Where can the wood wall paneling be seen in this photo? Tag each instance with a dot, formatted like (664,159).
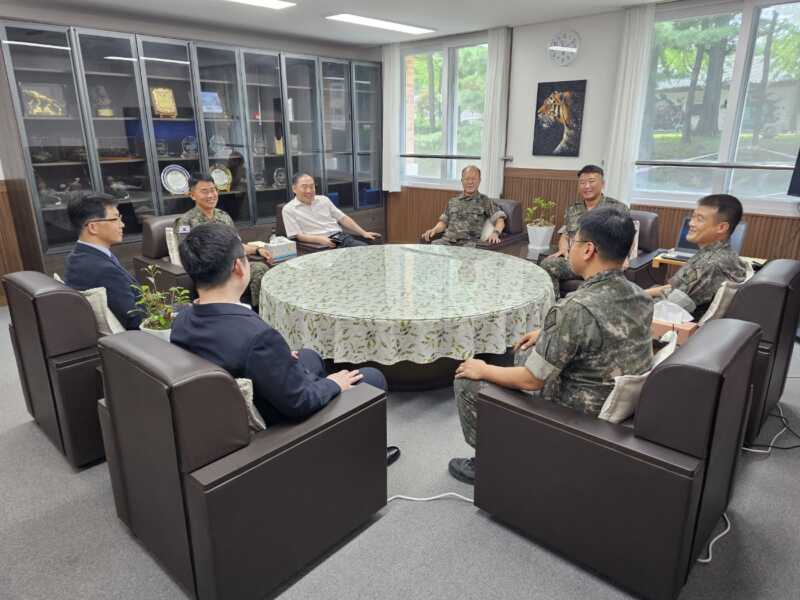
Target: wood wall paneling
(10,258)
(411,211)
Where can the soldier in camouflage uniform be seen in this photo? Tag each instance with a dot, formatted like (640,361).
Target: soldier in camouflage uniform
(203,191)
(462,221)
(590,190)
(600,331)
(694,285)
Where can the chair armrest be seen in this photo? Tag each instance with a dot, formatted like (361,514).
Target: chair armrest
(306,248)
(643,260)
(163,264)
(278,437)
(598,431)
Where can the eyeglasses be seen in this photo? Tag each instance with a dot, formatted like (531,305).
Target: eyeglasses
(572,241)
(110,220)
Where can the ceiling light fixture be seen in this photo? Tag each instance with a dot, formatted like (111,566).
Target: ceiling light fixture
(562,49)
(273,4)
(125,58)
(35,45)
(380,24)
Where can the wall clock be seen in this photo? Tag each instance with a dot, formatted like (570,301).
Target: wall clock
(563,48)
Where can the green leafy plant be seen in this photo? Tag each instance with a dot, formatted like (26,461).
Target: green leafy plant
(158,308)
(540,213)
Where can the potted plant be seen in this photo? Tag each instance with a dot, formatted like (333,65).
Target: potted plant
(539,219)
(158,308)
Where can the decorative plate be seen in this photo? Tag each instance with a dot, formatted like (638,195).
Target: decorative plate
(175,179)
(222,177)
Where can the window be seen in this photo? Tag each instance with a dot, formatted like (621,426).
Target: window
(444,91)
(722,109)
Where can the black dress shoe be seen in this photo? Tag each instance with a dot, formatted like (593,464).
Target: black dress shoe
(463,469)
(392,454)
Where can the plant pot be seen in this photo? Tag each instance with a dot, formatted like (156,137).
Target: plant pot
(161,333)
(539,237)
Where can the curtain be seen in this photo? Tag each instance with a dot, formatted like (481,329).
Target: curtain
(495,112)
(392,113)
(626,122)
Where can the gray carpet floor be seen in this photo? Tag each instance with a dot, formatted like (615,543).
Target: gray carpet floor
(60,538)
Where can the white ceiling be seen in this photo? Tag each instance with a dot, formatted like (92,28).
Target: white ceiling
(307,19)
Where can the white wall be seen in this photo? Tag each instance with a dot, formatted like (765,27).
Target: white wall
(596,62)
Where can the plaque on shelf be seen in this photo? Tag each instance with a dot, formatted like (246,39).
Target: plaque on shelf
(162,148)
(175,179)
(43,99)
(163,100)
(222,177)
(189,147)
(212,104)
(218,146)
(102,101)
(279,177)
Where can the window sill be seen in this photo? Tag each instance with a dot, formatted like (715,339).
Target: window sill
(432,184)
(760,206)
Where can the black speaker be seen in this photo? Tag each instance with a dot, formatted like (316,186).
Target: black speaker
(794,185)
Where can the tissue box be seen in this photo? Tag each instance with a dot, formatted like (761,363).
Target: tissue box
(282,248)
(684,330)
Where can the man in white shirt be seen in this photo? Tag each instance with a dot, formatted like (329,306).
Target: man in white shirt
(315,219)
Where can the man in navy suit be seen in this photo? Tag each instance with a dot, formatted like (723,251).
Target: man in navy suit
(91,263)
(286,385)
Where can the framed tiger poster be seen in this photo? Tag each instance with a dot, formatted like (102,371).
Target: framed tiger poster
(559,118)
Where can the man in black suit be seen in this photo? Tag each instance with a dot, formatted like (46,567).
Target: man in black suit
(286,385)
(91,263)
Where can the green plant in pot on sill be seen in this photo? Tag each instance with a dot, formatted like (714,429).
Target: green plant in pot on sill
(158,309)
(539,219)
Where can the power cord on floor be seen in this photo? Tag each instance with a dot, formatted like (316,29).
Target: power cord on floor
(438,497)
(716,539)
(771,446)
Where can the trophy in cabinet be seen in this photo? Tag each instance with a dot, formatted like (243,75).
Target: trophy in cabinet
(43,100)
(102,101)
(163,100)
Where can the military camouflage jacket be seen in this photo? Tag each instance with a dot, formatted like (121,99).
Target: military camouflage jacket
(465,215)
(194,217)
(578,208)
(598,332)
(694,285)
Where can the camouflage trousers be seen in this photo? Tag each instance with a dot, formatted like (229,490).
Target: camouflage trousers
(559,270)
(443,241)
(466,393)
(257,270)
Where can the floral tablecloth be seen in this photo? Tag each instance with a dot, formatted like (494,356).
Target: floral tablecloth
(418,303)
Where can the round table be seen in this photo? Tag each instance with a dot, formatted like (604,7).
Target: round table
(410,304)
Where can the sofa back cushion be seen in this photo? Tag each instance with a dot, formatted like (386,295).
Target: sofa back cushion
(154,238)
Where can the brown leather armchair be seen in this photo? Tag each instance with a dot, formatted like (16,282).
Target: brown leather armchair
(305,247)
(514,232)
(229,515)
(640,270)
(54,336)
(155,253)
(770,299)
(634,504)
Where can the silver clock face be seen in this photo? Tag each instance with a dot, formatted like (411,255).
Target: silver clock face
(563,48)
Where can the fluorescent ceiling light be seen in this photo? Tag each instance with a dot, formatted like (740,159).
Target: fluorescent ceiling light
(367,22)
(563,49)
(166,60)
(125,58)
(51,46)
(273,4)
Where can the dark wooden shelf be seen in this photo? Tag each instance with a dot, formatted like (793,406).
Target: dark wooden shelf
(43,70)
(177,159)
(60,163)
(113,161)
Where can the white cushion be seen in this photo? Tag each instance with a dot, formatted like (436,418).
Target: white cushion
(254,418)
(624,398)
(488,228)
(721,302)
(107,322)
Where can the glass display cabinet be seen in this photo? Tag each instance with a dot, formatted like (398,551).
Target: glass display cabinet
(169,101)
(337,131)
(223,127)
(302,118)
(262,76)
(114,123)
(45,96)
(368,107)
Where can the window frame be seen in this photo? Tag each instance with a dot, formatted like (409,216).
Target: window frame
(449,47)
(729,136)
